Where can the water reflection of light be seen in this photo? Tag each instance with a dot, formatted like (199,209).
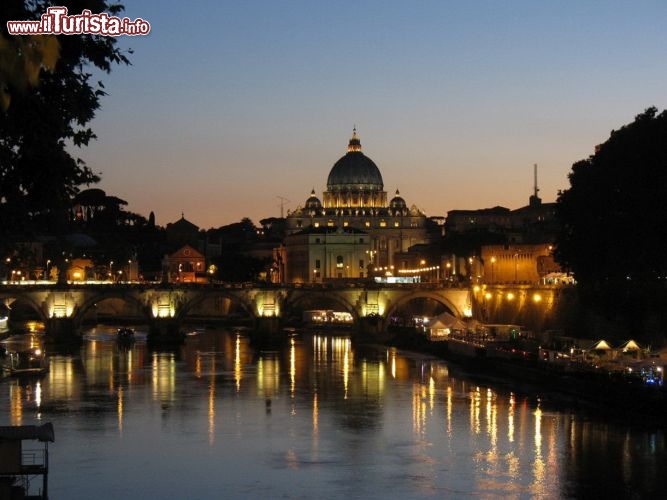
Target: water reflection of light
(16,404)
(268,375)
(346,368)
(211,409)
(341,354)
(491,417)
(475,403)
(38,394)
(292,367)
(61,378)
(198,367)
(539,469)
(419,408)
(510,418)
(164,376)
(538,431)
(316,414)
(238,372)
(119,407)
(450,404)
(431,393)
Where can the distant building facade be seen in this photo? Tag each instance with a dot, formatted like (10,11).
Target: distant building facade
(531,224)
(317,254)
(518,263)
(186,265)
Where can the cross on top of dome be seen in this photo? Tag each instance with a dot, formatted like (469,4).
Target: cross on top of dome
(354,144)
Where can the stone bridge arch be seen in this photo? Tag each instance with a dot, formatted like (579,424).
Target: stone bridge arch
(404,298)
(297,297)
(35,302)
(191,301)
(90,300)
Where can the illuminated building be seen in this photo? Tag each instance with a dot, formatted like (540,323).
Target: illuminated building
(355,199)
(186,265)
(518,263)
(319,253)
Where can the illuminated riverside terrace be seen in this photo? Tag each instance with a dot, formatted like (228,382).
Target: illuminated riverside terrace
(320,418)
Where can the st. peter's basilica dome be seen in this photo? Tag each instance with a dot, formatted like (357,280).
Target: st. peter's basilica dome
(355,180)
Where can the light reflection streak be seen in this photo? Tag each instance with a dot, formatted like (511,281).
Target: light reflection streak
(492,417)
(346,366)
(450,404)
(164,376)
(418,409)
(198,367)
(211,408)
(238,371)
(38,394)
(492,428)
(539,469)
(119,409)
(16,404)
(510,418)
(475,403)
(292,367)
(431,393)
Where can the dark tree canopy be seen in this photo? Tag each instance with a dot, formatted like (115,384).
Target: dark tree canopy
(614,220)
(41,121)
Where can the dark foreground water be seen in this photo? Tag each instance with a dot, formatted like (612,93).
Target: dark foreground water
(318,418)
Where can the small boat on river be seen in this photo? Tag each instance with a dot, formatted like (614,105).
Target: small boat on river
(125,335)
(25,362)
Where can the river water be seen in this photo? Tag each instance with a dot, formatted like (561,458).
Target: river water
(319,417)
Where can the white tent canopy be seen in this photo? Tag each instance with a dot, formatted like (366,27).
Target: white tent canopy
(630,345)
(600,345)
(447,320)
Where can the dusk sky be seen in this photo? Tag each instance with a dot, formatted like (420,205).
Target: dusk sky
(230,106)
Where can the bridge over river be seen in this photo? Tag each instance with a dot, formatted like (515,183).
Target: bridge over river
(65,307)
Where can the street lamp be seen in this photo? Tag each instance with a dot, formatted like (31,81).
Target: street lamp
(111,270)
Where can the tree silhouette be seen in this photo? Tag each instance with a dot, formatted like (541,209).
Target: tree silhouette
(614,225)
(42,118)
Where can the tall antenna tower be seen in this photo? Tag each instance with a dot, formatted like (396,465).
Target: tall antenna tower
(283,201)
(534,200)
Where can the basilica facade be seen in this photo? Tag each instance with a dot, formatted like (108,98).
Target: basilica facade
(355,202)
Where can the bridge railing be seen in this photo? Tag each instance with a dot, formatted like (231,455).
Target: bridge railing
(337,285)
(141,285)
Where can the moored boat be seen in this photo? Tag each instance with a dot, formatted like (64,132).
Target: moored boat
(27,361)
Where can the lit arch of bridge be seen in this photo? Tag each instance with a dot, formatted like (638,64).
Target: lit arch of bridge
(347,301)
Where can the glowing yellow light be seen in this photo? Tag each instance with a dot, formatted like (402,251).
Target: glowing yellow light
(537,298)
(488,295)
(510,296)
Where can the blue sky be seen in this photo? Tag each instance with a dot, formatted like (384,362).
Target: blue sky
(230,105)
